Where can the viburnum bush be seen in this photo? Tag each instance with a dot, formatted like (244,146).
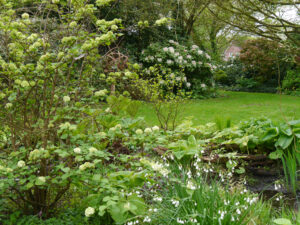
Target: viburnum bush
(48,54)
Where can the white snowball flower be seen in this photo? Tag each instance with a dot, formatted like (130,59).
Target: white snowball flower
(89,211)
(25,16)
(100,93)
(189,56)
(159,60)
(77,150)
(188,84)
(148,130)
(139,131)
(66,98)
(92,149)
(21,164)
(24,83)
(165,49)
(155,128)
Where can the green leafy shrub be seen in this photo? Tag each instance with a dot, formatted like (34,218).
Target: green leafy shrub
(220,76)
(45,94)
(291,82)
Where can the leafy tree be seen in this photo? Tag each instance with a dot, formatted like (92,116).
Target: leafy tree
(265,59)
(264,18)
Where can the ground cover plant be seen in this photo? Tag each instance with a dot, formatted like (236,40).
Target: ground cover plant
(79,139)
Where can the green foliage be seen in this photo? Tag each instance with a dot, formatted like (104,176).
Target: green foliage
(291,82)
(265,59)
(220,76)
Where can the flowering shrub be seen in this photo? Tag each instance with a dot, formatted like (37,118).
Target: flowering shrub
(45,92)
(195,63)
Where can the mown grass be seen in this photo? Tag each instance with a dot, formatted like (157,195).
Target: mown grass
(237,106)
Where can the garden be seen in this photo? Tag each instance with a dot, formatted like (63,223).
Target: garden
(137,112)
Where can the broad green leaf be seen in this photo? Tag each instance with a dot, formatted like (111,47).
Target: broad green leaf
(102,209)
(118,212)
(270,134)
(137,205)
(282,221)
(241,170)
(284,141)
(276,155)
(294,122)
(96,177)
(192,141)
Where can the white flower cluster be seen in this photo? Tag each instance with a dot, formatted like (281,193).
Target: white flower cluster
(86,165)
(101,93)
(67,126)
(21,164)
(77,150)
(89,211)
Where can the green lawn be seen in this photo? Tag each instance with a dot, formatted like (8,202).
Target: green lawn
(237,106)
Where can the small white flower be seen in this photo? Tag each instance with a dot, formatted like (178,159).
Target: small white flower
(147,219)
(180,221)
(66,98)
(21,164)
(107,110)
(77,150)
(190,185)
(158,199)
(203,85)
(188,84)
(165,49)
(89,211)
(189,56)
